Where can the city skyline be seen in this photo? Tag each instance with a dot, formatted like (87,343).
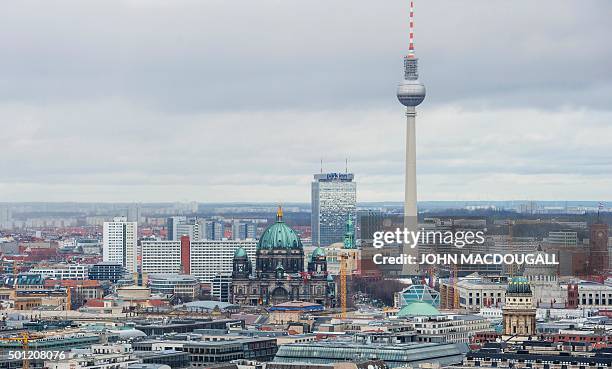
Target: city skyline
(154,116)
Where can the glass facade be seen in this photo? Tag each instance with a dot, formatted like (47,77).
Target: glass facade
(398,355)
(419,293)
(334,197)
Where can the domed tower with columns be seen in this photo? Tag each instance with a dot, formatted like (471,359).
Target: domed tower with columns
(519,314)
(279,274)
(543,278)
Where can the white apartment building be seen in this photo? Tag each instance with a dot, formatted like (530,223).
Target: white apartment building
(206,258)
(449,328)
(162,257)
(120,243)
(63,271)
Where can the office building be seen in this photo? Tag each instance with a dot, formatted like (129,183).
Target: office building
(243,230)
(222,287)
(448,328)
(333,201)
(396,355)
(133,213)
(120,243)
(63,271)
(212,230)
(190,229)
(563,238)
(182,226)
(112,272)
(211,352)
(544,358)
(370,222)
(171,227)
(6,217)
(174,285)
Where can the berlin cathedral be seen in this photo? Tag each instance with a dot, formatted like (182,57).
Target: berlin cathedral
(279,274)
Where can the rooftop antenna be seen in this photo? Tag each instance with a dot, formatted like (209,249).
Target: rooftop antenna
(411,38)
(346,165)
(321,165)
(600,206)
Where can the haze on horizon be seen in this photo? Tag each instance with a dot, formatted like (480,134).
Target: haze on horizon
(155,101)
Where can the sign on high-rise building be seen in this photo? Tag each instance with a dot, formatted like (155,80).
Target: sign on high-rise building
(120,243)
(334,198)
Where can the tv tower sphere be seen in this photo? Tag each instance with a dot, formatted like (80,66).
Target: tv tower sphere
(411,92)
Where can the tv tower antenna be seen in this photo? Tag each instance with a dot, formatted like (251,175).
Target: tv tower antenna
(411,38)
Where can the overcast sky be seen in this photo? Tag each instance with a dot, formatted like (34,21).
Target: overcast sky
(205,100)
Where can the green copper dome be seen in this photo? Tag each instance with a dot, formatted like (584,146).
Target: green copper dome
(418,308)
(519,285)
(240,252)
(316,253)
(279,236)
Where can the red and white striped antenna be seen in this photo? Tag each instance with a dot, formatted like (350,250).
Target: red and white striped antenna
(411,46)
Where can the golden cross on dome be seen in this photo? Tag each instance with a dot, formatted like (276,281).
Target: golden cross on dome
(279,214)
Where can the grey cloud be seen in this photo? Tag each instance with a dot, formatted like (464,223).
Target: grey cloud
(139,100)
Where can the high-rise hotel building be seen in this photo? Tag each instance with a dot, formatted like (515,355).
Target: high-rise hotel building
(120,243)
(334,198)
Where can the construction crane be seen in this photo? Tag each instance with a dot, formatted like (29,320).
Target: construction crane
(24,338)
(454,304)
(343,281)
(455,287)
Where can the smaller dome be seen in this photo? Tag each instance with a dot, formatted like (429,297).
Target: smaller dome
(418,309)
(519,285)
(317,253)
(240,252)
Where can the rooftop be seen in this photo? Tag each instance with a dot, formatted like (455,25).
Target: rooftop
(418,309)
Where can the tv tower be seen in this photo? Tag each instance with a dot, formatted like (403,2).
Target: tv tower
(410,92)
